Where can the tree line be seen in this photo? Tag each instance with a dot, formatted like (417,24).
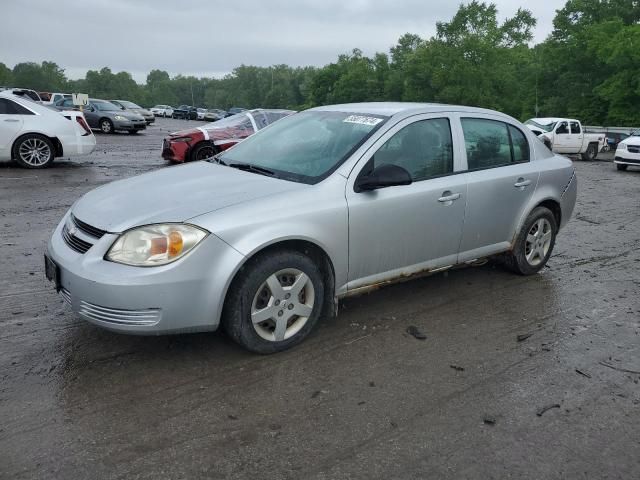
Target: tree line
(587,68)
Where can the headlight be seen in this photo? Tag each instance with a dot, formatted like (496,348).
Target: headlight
(121,118)
(181,139)
(155,244)
(622,146)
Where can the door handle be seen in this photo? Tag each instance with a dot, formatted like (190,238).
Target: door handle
(448,197)
(11,120)
(522,183)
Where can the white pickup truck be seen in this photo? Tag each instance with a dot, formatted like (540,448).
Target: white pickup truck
(566,135)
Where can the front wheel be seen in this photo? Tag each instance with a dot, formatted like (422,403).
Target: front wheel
(534,243)
(619,166)
(275,302)
(34,151)
(106,125)
(591,153)
(203,151)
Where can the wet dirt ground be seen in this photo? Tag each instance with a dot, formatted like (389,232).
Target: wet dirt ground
(360,398)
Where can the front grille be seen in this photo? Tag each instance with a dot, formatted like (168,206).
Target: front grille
(74,242)
(87,229)
(633,149)
(118,316)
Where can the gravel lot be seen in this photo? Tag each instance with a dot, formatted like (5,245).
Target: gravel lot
(360,398)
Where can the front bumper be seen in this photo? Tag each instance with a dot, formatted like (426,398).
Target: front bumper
(129,125)
(184,296)
(175,151)
(626,157)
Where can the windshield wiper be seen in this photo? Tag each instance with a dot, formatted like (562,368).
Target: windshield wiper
(247,167)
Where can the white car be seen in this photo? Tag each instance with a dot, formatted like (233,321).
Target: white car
(201,113)
(162,111)
(33,135)
(628,152)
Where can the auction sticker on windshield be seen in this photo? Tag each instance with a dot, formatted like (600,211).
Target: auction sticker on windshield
(362,120)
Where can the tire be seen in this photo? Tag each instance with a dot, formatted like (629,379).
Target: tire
(133,132)
(591,153)
(530,251)
(203,150)
(281,327)
(33,151)
(106,125)
(621,167)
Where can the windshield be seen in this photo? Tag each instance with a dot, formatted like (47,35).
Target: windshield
(305,147)
(126,104)
(547,128)
(234,121)
(106,106)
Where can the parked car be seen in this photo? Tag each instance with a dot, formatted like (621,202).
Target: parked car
(162,111)
(334,201)
(628,152)
(614,138)
(186,112)
(109,118)
(566,135)
(235,110)
(23,92)
(204,142)
(34,135)
(148,116)
(200,113)
(214,114)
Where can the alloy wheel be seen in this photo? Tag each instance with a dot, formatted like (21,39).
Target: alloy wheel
(282,305)
(538,242)
(34,152)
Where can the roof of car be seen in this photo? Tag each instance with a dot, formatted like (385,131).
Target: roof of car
(550,120)
(393,108)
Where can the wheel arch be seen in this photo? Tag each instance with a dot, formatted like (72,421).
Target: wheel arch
(57,144)
(301,245)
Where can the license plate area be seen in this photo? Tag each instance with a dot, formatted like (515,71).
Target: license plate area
(52,272)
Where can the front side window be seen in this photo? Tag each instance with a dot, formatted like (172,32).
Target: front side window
(106,107)
(424,149)
(490,143)
(562,129)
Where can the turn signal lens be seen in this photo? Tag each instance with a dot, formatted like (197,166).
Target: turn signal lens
(155,244)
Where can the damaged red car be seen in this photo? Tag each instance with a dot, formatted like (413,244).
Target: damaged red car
(204,142)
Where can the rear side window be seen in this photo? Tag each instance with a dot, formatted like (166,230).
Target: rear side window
(490,144)
(575,127)
(8,107)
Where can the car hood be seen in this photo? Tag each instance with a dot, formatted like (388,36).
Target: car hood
(635,141)
(211,132)
(125,113)
(173,194)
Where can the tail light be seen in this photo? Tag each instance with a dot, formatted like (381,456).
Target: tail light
(83,123)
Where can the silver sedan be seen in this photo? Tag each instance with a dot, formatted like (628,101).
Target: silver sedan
(264,238)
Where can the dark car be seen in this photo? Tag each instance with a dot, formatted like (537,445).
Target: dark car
(204,142)
(614,138)
(106,116)
(235,110)
(186,112)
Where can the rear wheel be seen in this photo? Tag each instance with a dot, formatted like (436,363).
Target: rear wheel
(591,153)
(275,302)
(33,151)
(619,166)
(534,243)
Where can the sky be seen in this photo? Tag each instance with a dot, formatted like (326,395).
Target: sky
(211,37)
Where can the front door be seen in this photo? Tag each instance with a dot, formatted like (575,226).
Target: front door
(402,230)
(10,125)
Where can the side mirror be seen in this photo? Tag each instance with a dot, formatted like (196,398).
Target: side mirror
(383,176)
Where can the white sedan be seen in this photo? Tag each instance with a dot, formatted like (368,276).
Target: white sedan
(162,111)
(33,135)
(628,152)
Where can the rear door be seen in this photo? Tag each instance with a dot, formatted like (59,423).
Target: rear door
(500,182)
(11,122)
